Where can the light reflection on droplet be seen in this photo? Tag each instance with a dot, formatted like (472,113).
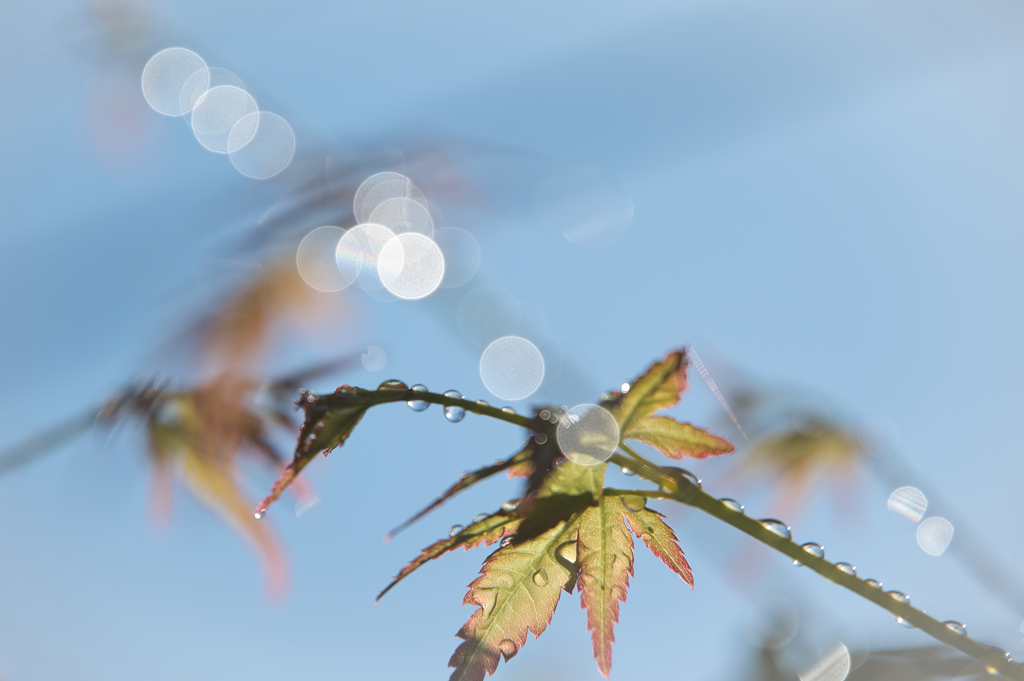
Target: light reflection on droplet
(909,503)
(586,208)
(587,434)
(216,114)
(358,253)
(833,666)
(512,368)
(411,266)
(316,261)
(374,359)
(402,215)
(267,151)
(934,535)
(461,255)
(165,77)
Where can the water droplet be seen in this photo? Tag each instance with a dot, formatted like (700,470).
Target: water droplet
(545,414)
(956,627)
(813,549)
(626,471)
(683,475)
(873,582)
(482,403)
(625,388)
(418,405)
(847,568)
(540,578)
(899,596)
(508,410)
(311,397)
(508,649)
(732,503)
(541,438)
(566,552)
(505,542)
(510,505)
(634,503)
(393,384)
(260,513)
(777,526)
(453,413)
(455,530)
(482,516)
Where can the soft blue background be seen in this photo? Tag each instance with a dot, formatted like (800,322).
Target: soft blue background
(827,195)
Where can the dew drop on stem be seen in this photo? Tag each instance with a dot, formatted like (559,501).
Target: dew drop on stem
(847,568)
(393,384)
(510,505)
(626,471)
(732,504)
(956,627)
(451,412)
(813,549)
(455,529)
(777,526)
(418,405)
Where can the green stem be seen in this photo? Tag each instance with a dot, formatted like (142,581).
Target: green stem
(375,397)
(682,490)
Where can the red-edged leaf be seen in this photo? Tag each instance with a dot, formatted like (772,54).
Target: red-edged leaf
(658,389)
(648,526)
(605,551)
(487,531)
(517,592)
(322,431)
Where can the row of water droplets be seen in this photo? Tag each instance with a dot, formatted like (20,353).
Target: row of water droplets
(817,550)
(223,115)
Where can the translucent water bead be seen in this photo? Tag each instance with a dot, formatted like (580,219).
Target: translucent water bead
(777,526)
(956,627)
(732,504)
(813,549)
(847,568)
(451,412)
(393,384)
(418,405)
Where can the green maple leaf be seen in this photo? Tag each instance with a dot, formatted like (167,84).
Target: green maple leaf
(656,390)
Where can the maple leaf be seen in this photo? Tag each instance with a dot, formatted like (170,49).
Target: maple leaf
(486,531)
(649,527)
(605,555)
(520,583)
(181,443)
(657,389)
(323,429)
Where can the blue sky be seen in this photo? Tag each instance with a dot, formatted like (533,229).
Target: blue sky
(826,197)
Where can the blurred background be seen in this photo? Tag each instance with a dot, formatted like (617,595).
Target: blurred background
(823,200)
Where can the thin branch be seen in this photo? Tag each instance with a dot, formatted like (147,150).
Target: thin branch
(684,491)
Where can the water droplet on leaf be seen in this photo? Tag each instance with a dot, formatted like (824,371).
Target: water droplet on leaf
(566,552)
(634,503)
(540,578)
(626,471)
(510,505)
(455,529)
(508,649)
